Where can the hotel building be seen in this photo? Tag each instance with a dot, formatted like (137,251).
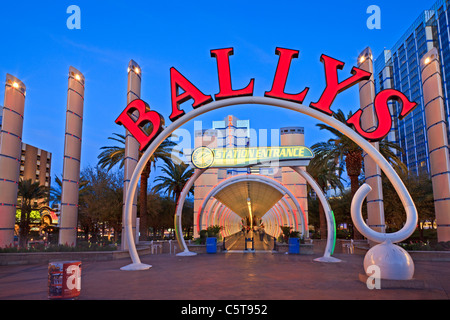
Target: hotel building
(399,68)
(35,164)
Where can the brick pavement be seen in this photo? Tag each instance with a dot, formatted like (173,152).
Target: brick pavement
(226,276)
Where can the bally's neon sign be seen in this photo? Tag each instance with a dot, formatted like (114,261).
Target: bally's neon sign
(332,89)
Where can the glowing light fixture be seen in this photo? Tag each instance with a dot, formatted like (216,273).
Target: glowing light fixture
(15,85)
(77,76)
(136,69)
(362,59)
(249,204)
(427,61)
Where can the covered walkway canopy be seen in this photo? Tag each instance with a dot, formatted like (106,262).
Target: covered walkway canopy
(255,197)
(261,197)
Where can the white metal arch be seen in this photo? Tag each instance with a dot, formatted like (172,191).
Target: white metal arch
(287,218)
(405,197)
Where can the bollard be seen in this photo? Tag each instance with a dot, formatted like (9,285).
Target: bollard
(274,243)
(64,280)
(253,243)
(223,245)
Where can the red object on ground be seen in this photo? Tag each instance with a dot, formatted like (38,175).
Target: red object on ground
(64,279)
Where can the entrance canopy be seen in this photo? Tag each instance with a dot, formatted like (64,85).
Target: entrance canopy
(240,195)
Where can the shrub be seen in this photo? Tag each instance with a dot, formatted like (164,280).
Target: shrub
(213,231)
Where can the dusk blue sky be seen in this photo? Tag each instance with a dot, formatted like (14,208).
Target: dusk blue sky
(38,48)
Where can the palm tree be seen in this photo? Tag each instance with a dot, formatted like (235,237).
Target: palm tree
(177,175)
(56,192)
(115,155)
(327,176)
(348,154)
(29,193)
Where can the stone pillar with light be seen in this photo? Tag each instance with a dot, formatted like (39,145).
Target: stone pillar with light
(438,148)
(10,156)
(375,207)
(72,159)
(131,156)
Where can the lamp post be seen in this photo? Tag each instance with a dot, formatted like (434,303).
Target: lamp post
(438,147)
(131,148)
(10,156)
(72,158)
(375,207)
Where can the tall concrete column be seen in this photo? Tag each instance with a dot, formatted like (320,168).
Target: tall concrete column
(375,206)
(131,148)
(294,136)
(438,147)
(72,158)
(10,154)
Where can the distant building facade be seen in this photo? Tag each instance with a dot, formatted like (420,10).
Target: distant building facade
(35,164)
(398,68)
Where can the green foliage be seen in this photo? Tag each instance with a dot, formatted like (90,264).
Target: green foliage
(286,232)
(426,246)
(29,193)
(294,234)
(175,178)
(213,231)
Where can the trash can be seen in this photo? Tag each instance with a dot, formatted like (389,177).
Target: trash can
(294,246)
(211,245)
(64,279)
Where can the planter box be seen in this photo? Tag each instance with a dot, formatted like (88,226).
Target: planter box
(430,255)
(46,257)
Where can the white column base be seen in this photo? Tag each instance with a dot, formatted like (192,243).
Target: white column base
(136,267)
(394,262)
(328,259)
(186,254)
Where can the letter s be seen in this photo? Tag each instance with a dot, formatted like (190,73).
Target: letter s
(381,110)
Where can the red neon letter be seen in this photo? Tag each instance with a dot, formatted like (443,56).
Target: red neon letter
(381,110)
(223,71)
(136,128)
(333,85)
(177,80)
(281,74)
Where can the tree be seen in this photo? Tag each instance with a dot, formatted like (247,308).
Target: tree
(421,190)
(348,154)
(101,208)
(29,193)
(328,176)
(56,192)
(177,175)
(112,156)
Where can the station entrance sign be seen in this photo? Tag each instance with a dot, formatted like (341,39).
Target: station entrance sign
(204,157)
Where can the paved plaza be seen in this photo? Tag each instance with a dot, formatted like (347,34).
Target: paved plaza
(227,276)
